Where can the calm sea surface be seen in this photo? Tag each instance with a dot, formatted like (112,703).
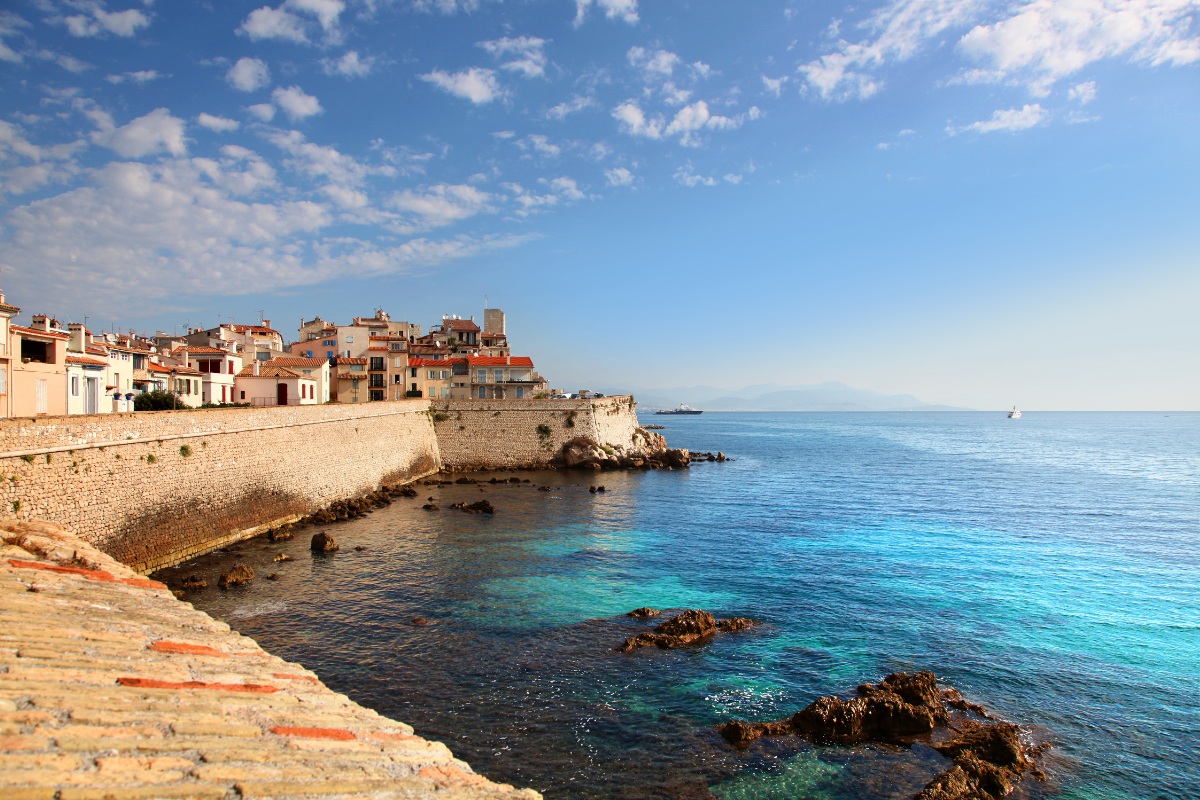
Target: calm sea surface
(1048,567)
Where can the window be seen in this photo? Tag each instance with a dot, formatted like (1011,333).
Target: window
(520,392)
(41,352)
(498,375)
(3,380)
(349,340)
(329,353)
(412,373)
(329,343)
(445,391)
(377,382)
(482,392)
(308,353)
(230,362)
(481,376)
(41,396)
(74,386)
(243,394)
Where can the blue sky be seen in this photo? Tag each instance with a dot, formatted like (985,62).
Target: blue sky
(981,202)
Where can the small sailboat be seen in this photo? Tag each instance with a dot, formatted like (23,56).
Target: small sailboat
(1015,413)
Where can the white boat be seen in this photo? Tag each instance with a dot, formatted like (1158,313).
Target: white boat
(1015,413)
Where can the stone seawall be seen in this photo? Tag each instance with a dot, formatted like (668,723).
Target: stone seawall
(495,434)
(155,488)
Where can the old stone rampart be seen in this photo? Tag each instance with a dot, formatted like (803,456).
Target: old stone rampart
(493,434)
(153,489)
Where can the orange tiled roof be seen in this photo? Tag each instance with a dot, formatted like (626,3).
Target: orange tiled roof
(299,362)
(87,362)
(201,350)
(268,370)
(39,332)
(252,329)
(459,325)
(152,367)
(361,361)
(500,361)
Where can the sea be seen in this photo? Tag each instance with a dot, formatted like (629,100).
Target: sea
(1047,567)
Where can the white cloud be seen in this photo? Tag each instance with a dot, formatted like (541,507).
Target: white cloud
(248,74)
(274,23)
(898,31)
(687,176)
(350,65)
(446,6)
(475,84)
(568,107)
(96,21)
(1044,41)
(25,166)
(539,144)
(141,76)
(156,132)
(295,103)
(439,205)
(525,54)
(263,111)
(619,177)
(67,62)
(10,25)
(774,85)
(1006,120)
(634,121)
(732,178)
(658,64)
(346,197)
(1083,93)
(558,191)
(624,10)
(326,11)
(322,161)
(218,124)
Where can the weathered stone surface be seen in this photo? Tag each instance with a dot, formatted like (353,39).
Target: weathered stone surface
(239,575)
(323,543)
(645,612)
(180,706)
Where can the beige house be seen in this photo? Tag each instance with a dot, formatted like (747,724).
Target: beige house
(86,384)
(316,368)
(7,312)
(218,370)
(39,368)
(267,384)
(428,377)
(352,380)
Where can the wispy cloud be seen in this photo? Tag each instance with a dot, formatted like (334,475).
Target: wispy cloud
(522,54)
(475,84)
(1005,120)
(624,10)
(294,102)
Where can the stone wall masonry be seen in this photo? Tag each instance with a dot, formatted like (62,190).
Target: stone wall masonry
(153,489)
(497,434)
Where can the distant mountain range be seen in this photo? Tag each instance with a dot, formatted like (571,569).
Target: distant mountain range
(774,397)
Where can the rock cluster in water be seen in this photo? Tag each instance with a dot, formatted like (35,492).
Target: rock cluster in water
(649,451)
(479,507)
(988,755)
(690,626)
(240,575)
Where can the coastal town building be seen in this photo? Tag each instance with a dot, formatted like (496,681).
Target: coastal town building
(48,370)
(267,384)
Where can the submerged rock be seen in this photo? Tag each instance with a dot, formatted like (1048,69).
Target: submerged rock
(988,756)
(240,575)
(430,507)
(278,535)
(480,507)
(323,543)
(193,582)
(282,557)
(691,626)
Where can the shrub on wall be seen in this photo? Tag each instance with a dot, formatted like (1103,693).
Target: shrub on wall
(157,400)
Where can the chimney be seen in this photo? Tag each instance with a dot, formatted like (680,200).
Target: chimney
(183,356)
(266,323)
(256,368)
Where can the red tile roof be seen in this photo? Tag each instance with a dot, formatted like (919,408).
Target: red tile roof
(200,350)
(85,361)
(252,329)
(39,332)
(500,361)
(268,370)
(300,362)
(459,325)
(362,361)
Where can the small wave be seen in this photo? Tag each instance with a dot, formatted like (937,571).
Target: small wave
(258,609)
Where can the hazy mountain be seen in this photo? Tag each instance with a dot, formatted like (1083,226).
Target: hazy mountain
(773,397)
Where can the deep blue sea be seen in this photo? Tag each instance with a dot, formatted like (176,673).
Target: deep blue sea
(1047,567)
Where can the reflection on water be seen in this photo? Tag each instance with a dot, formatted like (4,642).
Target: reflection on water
(1062,596)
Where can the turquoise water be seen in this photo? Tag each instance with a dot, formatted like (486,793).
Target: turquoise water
(1048,567)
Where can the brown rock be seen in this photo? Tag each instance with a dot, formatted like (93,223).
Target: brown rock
(323,543)
(645,612)
(479,507)
(735,624)
(277,535)
(282,557)
(240,575)
(274,576)
(193,582)
(430,507)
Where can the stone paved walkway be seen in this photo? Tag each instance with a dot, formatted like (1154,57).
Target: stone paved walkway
(112,688)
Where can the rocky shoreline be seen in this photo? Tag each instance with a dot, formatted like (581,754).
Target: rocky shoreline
(989,756)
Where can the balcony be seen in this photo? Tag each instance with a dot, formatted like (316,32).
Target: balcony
(414,394)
